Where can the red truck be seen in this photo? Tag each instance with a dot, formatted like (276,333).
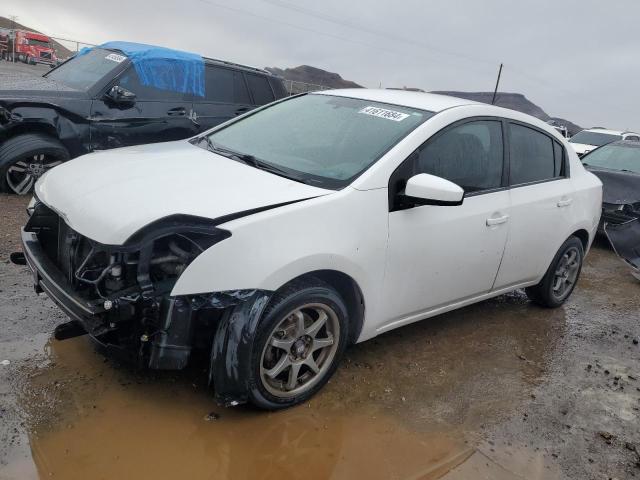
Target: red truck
(28,47)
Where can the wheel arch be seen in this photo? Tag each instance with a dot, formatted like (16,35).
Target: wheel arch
(583,236)
(348,289)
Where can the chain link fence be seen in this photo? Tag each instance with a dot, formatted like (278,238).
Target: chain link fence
(293,87)
(74,46)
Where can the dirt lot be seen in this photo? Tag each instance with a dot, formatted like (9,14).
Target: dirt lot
(499,390)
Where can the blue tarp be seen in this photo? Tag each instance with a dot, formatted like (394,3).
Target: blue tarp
(163,68)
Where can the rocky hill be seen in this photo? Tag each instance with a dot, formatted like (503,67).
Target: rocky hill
(61,51)
(514,101)
(313,75)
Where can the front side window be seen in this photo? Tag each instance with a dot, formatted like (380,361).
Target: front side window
(131,81)
(532,156)
(319,139)
(632,138)
(615,157)
(469,155)
(594,138)
(84,70)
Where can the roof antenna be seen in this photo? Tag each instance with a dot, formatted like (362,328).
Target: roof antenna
(493,100)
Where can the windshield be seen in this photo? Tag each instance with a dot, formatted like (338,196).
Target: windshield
(594,138)
(40,43)
(615,157)
(84,71)
(322,140)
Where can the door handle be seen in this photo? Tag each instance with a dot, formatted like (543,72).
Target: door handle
(177,112)
(497,220)
(564,202)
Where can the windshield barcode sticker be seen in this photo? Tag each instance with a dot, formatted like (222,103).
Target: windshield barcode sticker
(384,113)
(114,57)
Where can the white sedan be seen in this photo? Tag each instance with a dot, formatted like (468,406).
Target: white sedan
(276,239)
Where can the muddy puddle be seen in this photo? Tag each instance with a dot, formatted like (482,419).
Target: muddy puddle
(93,420)
(411,404)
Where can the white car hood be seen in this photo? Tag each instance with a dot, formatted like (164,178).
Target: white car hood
(109,195)
(581,148)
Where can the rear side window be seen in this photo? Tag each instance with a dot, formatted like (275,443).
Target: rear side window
(469,155)
(260,89)
(633,138)
(533,156)
(225,86)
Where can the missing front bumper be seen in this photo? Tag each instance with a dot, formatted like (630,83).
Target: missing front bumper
(625,240)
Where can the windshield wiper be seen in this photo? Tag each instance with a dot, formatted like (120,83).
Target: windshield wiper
(247,158)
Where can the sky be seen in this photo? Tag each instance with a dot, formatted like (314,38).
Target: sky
(577,59)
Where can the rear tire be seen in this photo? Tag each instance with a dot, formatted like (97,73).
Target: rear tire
(23,159)
(560,279)
(301,338)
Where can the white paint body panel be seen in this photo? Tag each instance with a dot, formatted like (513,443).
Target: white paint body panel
(409,264)
(110,195)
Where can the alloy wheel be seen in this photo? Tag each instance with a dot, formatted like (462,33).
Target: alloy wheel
(300,350)
(566,273)
(22,175)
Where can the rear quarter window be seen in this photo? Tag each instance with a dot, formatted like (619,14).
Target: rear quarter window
(278,87)
(260,89)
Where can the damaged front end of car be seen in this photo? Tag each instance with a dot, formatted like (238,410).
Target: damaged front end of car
(121,295)
(625,240)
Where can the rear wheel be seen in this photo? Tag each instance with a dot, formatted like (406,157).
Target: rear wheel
(302,336)
(23,159)
(561,277)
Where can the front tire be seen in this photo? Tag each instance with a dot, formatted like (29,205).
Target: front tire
(302,336)
(23,159)
(558,283)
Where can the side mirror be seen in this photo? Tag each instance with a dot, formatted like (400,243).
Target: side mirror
(121,95)
(425,189)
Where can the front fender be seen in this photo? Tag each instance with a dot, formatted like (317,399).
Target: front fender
(69,126)
(344,232)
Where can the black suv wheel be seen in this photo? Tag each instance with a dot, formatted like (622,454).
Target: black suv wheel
(23,159)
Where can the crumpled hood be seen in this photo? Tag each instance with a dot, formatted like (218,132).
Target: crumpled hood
(109,195)
(620,188)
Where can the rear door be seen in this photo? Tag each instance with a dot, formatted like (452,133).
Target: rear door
(541,204)
(157,115)
(226,96)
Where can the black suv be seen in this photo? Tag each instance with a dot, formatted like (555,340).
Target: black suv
(97,100)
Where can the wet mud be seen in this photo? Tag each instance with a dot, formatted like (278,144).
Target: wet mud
(500,390)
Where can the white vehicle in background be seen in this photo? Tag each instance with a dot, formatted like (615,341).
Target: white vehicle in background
(278,238)
(586,140)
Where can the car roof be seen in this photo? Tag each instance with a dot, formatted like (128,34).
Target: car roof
(606,130)
(626,143)
(164,53)
(425,101)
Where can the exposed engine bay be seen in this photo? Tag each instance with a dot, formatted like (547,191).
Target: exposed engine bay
(127,287)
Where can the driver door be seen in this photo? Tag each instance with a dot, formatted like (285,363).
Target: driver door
(155,115)
(439,256)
